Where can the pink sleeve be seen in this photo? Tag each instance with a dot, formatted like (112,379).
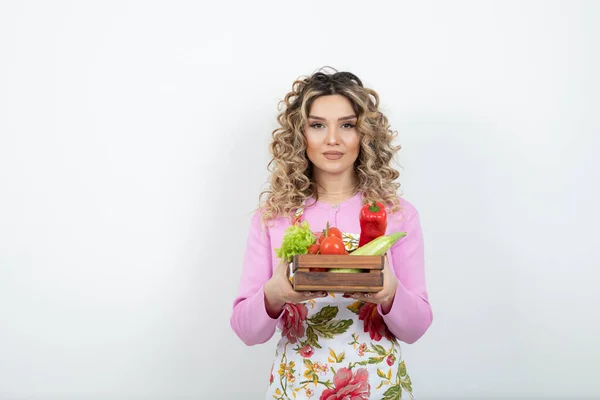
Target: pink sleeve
(410,315)
(249,318)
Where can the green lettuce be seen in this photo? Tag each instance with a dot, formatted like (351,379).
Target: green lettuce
(296,240)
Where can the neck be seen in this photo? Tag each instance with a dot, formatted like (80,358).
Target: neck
(335,189)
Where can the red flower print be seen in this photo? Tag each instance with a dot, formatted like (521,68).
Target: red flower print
(307,351)
(374,323)
(294,316)
(390,360)
(349,386)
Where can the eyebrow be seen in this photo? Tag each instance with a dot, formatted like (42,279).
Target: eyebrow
(339,119)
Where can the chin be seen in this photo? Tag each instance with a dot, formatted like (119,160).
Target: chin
(334,169)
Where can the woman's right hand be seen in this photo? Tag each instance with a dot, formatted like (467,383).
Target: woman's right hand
(278,291)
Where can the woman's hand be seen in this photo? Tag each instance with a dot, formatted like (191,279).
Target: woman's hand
(385,297)
(278,291)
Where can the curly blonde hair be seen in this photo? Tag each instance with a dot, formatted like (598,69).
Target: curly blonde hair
(291,180)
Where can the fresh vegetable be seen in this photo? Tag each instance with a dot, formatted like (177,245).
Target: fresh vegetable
(373,222)
(313,248)
(344,270)
(376,247)
(333,245)
(329,231)
(296,240)
(329,241)
(335,232)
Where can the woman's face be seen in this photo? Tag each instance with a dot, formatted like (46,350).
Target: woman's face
(333,142)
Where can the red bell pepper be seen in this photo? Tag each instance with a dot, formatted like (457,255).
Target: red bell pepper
(373,222)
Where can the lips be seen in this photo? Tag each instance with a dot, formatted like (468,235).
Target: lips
(333,155)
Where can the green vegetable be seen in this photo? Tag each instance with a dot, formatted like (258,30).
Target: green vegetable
(296,240)
(344,270)
(378,246)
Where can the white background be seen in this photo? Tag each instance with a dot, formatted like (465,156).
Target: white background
(133,146)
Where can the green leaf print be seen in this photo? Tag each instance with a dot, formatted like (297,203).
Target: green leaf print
(375,360)
(406,383)
(393,392)
(379,349)
(326,314)
(402,369)
(311,337)
(355,307)
(322,324)
(332,328)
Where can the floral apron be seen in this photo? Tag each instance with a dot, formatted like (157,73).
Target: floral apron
(337,348)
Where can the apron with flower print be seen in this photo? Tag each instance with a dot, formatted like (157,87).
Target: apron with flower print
(337,348)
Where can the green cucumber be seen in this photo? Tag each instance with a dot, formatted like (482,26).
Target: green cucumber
(376,247)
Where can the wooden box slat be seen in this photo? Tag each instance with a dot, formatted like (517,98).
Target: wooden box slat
(334,261)
(332,282)
(369,281)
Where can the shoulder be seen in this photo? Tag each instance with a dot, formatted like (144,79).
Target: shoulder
(405,214)
(268,225)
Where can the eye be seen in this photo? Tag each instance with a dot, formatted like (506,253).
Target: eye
(315,125)
(350,126)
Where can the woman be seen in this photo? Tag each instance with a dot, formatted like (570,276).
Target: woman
(331,155)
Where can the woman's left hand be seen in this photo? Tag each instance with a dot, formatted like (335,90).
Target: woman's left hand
(385,297)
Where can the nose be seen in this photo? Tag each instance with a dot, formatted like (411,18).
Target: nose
(332,136)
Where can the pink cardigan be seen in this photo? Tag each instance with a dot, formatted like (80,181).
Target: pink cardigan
(410,315)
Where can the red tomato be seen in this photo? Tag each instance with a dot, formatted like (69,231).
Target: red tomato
(313,248)
(321,238)
(332,232)
(333,245)
(335,232)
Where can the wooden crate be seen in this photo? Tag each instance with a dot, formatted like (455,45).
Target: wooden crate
(368,281)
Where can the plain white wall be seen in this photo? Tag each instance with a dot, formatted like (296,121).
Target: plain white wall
(133,146)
